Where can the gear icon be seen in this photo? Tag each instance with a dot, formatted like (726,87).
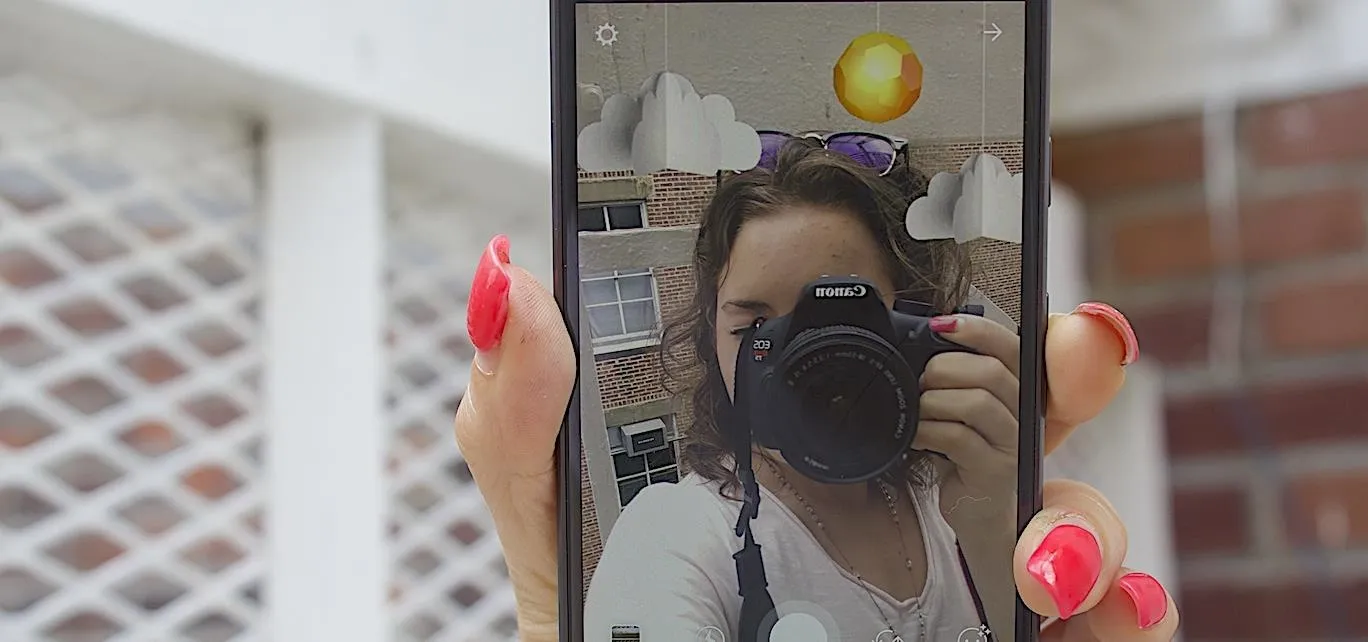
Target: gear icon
(606,34)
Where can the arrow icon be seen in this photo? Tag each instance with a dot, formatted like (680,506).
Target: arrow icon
(995,32)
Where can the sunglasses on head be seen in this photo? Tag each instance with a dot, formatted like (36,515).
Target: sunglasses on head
(875,151)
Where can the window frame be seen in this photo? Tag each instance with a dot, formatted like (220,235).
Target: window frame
(625,342)
(607,222)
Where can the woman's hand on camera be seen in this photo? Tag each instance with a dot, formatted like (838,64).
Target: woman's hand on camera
(1067,561)
(969,415)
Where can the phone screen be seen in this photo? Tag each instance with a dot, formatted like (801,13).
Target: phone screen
(800,253)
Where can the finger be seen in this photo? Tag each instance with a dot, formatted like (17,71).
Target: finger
(1076,630)
(982,335)
(1085,355)
(507,423)
(519,388)
(1135,608)
(949,370)
(962,445)
(976,409)
(1070,552)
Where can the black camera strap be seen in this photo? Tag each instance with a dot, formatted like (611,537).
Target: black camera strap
(757,607)
(973,593)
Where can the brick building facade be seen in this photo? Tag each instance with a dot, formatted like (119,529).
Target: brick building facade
(1270,475)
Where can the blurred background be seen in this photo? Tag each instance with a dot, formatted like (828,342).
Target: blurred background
(236,241)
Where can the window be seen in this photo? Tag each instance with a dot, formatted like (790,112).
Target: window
(623,310)
(644,453)
(612,217)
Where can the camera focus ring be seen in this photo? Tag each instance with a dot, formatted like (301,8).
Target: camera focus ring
(849,399)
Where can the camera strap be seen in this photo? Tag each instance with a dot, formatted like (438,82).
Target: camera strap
(757,606)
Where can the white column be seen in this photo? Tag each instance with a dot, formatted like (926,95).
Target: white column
(324,377)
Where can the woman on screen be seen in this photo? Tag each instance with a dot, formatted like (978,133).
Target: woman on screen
(866,558)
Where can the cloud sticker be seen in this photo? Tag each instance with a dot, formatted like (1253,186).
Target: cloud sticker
(982,200)
(933,216)
(668,125)
(606,145)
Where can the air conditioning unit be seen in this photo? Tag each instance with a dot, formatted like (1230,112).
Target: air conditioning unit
(645,437)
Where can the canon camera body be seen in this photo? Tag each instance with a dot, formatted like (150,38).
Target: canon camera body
(835,385)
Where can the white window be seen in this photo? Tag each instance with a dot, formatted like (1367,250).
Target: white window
(623,306)
(610,217)
(624,311)
(644,453)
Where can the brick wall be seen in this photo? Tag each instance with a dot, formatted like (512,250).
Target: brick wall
(677,199)
(591,546)
(1271,541)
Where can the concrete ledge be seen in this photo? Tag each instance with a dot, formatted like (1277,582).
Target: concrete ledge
(614,190)
(652,247)
(643,411)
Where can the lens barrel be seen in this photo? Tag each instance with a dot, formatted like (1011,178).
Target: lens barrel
(849,401)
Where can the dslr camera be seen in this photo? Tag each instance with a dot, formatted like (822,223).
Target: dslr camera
(835,385)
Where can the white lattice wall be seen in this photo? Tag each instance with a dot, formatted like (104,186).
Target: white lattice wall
(130,496)
(449,581)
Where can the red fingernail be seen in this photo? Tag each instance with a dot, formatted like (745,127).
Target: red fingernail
(943,325)
(1149,597)
(1119,323)
(487,309)
(1067,563)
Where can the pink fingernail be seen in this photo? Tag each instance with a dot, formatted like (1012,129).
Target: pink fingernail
(1148,596)
(487,309)
(943,325)
(1068,563)
(1119,324)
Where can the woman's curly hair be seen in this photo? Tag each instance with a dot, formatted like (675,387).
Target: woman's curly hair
(804,174)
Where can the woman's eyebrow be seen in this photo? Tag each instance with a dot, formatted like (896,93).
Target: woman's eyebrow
(747,305)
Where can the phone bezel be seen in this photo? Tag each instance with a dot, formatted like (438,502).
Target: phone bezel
(565,257)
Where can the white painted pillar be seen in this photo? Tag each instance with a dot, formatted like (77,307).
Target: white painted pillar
(324,377)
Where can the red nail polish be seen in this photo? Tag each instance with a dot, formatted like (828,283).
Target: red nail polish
(487,309)
(1149,597)
(1067,563)
(944,325)
(1120,324)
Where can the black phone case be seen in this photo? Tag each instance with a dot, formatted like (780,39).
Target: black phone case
(565,256)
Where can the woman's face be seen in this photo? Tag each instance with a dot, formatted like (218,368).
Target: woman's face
(774,256)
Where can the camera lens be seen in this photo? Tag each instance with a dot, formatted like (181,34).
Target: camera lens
(849,400)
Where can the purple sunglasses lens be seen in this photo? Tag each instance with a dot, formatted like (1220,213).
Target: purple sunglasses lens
(871,151)
(770,144)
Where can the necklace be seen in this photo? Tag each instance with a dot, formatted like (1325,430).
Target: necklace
(897,527)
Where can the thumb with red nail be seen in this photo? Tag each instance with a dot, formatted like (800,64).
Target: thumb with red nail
(508,420)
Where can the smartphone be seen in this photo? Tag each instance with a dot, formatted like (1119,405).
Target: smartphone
(800,247)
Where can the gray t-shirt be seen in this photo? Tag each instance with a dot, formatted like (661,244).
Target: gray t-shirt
(667,568)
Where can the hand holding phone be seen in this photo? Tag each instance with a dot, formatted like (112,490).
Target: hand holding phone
(508,436)
(809,205)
